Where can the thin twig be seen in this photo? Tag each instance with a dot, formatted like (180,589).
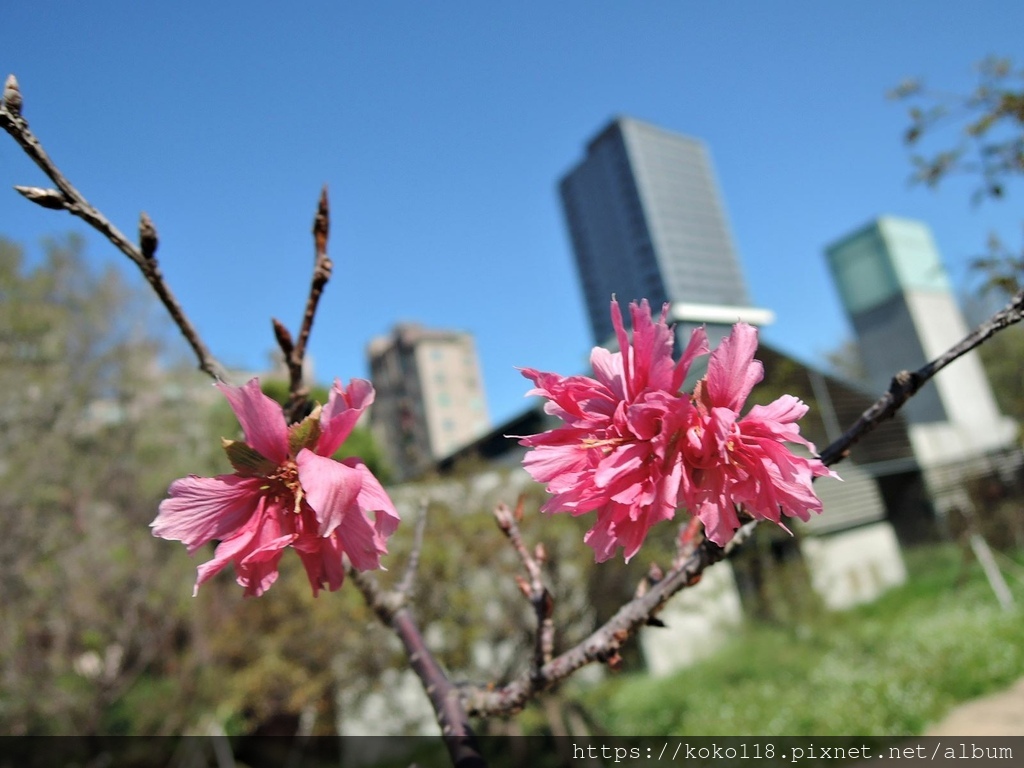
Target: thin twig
(601,646)
(321,270)
(68,198)
(405,586)
(295,353)
(533,588)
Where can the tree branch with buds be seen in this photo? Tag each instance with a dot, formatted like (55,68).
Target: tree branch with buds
(67,197)
(533,588)
(295,352)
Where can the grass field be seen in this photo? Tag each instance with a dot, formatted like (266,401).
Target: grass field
(888,668)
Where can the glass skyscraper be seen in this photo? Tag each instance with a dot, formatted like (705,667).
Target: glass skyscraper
(646,221)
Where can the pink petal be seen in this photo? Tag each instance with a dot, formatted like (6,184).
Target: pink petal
(603,538)
(624,348)
(331,488)
(615,529)
(785,409)
(225,552)
(201,509)
(323,563)
(645,418)
(359,539)
(374,499)
(776,421)
(719,519)
(619,463)
(262,533)
(574,399)
(256,568)
(261,418)
(258,577)
(344,407)
(608,370)
(732,370)
(653,341)
(697,346)
(547,464)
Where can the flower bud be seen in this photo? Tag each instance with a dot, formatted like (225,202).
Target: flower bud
(12,96)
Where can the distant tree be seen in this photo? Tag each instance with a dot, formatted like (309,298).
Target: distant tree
(988,126)
(1002,357)
(93,420)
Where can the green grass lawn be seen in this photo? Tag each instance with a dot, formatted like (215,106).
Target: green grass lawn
(888,668)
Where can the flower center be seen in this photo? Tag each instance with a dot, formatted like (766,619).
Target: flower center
(285,484)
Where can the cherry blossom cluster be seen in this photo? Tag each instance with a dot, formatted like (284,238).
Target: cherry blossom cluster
(635,448)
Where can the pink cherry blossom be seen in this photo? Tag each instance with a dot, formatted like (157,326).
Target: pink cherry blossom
(286,491)
(619,452)
(634,448)
(744,462)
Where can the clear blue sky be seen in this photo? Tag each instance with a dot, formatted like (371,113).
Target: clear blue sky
(442,129)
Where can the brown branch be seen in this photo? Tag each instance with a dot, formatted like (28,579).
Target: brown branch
(321,270)
(533,588)
(602,645)
(905,384)
(68,198)
(295,353)
(390,608)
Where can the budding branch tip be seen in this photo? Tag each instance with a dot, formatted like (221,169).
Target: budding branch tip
(283,336)
(47,198)
(148,239)
(322,221)
(12,99)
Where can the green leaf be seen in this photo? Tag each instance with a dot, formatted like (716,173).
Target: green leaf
(305,433)
(246,460)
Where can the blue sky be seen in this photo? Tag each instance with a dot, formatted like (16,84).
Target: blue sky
(442,128)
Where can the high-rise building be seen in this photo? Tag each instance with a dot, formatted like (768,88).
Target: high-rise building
(646,221)
(430,395)
(897,295)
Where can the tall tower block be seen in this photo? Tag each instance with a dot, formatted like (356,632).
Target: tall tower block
(646,221)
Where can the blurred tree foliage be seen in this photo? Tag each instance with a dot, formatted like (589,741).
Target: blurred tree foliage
(93,426)
(1002,355)
(988,125)
(99,632)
